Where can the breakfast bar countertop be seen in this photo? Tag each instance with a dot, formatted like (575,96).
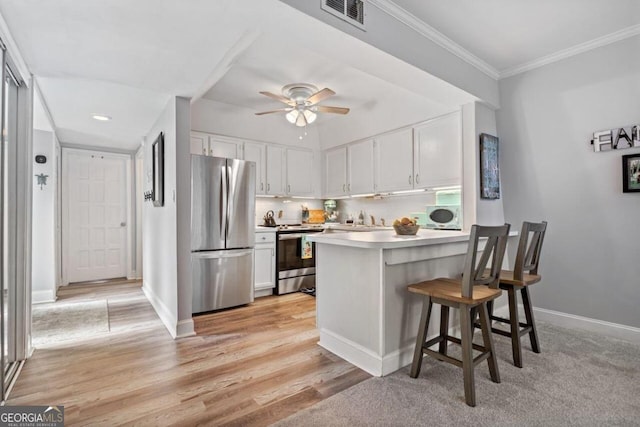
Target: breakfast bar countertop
(387,239)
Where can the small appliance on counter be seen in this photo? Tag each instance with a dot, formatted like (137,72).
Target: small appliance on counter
(269,220)
(330,211)
(444,217)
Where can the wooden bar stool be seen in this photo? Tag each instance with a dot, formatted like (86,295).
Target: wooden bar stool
(524,274)
(466,295)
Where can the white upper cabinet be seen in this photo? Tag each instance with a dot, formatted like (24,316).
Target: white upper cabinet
(256,152)
(223,147)
(275,170)
(214,145)
(335,172)
(360,167)
(394,161)
(438,152)
(199,143)
(299,172)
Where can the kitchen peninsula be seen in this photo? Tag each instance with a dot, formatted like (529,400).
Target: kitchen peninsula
(364,313)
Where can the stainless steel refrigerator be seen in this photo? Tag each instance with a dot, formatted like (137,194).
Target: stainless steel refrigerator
(222,232)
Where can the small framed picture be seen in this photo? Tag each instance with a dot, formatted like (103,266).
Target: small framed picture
(631,173)
(489,169)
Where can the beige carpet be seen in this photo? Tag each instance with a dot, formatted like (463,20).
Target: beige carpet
(59,322)
(579,379)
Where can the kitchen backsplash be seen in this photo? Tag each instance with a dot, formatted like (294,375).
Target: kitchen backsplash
(389,207)
(291,209)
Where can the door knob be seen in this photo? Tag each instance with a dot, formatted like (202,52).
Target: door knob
(122,224)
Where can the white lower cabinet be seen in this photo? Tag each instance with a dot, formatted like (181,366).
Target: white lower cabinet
(265,264)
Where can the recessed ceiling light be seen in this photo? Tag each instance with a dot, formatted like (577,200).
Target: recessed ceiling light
(101,117)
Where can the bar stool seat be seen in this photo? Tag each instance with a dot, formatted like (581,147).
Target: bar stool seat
(470,298)
(507,277)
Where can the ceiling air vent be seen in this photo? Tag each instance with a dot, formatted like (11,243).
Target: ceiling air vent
(351,11)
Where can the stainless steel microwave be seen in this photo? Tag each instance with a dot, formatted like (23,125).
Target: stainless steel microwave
(446,217)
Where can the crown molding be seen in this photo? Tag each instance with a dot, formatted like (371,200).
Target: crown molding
(622,34)
(434,35)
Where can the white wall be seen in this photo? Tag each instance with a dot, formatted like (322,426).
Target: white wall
(549,171)
(43,240)
(166,280)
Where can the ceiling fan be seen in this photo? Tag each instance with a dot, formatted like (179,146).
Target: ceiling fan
(302,100)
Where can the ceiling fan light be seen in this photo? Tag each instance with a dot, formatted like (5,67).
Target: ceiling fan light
(301,120)
(310,116)
(292,116)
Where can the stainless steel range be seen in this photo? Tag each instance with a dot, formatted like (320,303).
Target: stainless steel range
(295,258)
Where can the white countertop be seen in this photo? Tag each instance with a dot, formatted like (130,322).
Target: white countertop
(387,239)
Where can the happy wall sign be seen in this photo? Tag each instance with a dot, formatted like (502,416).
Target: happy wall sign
(616,139)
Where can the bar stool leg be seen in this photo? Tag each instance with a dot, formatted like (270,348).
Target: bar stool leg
(467,355)
(487,337)
(444,328)
(515,327)
(528,312)
(422,337)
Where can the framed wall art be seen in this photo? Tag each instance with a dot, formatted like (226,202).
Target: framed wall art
(157,149)
(631,173)
(489,169)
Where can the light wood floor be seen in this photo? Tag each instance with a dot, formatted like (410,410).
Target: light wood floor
(250,366)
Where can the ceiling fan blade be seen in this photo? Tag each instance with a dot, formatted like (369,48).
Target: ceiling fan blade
(273,111)
(335,110)
(320,95)
(279,98)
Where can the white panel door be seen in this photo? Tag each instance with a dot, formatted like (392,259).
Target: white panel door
(361,159)
(219,147)
(335,168)
(255,152)
(199,143)
(394,161)
(299,172)
(97,214)
(275,170)
(438,152)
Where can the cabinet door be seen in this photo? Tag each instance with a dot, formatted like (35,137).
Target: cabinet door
(335,176)
(360,160)
(224,148)
(394,161)
(255,152)
(275,170)
(299,172)
(199,143)
(438,152)
(265,262)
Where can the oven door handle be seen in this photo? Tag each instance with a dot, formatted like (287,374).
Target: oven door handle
(291,236)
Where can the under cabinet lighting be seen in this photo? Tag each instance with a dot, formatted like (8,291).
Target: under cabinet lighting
(101,117)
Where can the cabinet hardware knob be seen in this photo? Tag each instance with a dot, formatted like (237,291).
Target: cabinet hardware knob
(344,188)
(268,187)
(417,178)
(288,188)
(261,186)
(409,179)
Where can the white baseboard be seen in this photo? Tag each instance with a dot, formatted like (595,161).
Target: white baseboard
(41,297)
(352,352)
(168,319)
(185,328)
(566,320)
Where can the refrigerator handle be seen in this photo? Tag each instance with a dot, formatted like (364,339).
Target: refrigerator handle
(223,203)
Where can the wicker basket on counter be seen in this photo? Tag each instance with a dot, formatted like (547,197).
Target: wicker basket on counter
(406,230)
